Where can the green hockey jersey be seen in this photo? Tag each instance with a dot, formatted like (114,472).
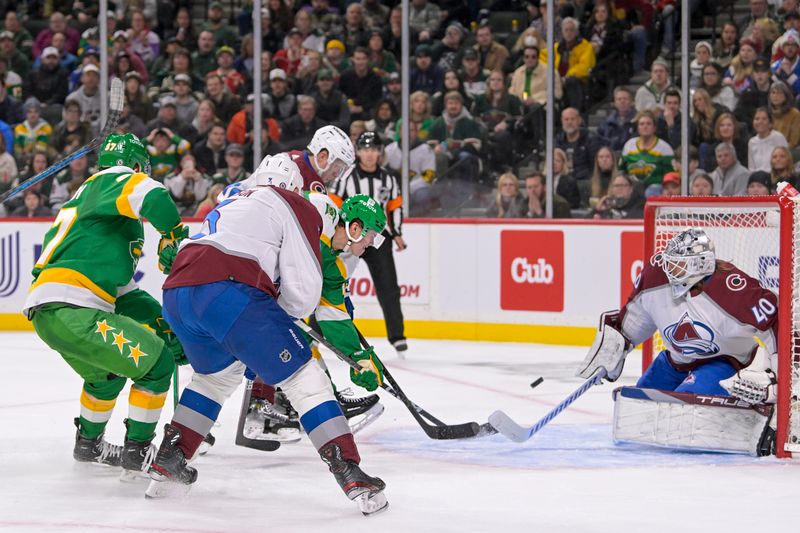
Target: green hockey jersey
(90,253)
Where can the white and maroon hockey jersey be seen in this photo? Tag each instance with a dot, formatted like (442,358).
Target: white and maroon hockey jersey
(720,319)
(267,238)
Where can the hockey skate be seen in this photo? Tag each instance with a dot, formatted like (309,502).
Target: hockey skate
(95,450)
(206,445)
(169,473)
(278,422)
(136,458)
(359,412)
(366,491)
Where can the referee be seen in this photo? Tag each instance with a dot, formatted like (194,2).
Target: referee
(369,178)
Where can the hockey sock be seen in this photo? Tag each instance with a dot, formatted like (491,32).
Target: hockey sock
(97,404)
(263,391)
(147,398)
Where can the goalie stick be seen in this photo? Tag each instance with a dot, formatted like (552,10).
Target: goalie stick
(510,429)
(440,431)
(116,100)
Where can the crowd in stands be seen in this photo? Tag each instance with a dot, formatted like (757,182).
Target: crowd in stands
(477,103)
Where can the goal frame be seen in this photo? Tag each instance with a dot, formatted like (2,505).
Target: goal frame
(786,207)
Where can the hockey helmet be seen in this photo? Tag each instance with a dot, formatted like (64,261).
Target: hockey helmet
(369,139)
(688,258)
(366,210)
(279,171)
(341,156)
(123,149)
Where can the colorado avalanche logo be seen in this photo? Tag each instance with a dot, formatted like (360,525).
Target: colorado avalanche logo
(691,337)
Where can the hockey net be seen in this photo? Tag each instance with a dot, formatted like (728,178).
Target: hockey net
(761,236)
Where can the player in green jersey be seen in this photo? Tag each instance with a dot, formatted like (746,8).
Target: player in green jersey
(85,305)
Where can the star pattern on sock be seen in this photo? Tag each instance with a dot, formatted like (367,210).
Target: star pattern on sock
(136,353)
(103,328)
(120,341)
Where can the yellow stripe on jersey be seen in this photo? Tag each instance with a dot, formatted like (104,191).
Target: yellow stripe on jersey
(123,200)
(325,240)
(68,276)
(145,399)
(341,307)
(342,268)
(94,404)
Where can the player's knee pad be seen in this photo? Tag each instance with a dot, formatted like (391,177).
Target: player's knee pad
(158,377)
(307,388)
(219,385)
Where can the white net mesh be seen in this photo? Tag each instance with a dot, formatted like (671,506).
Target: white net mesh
(747,235)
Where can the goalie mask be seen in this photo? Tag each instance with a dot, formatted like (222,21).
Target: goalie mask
(687,259)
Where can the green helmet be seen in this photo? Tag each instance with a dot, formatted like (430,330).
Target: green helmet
(123,149)
(367,210)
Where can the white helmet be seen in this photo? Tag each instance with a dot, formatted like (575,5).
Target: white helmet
(688,258)
(279,171)
(339,147)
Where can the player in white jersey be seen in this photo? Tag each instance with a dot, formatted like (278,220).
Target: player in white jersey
(708,313)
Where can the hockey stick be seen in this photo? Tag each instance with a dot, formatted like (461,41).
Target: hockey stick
(441,431)
(241,440)
(503,423)
(116,100)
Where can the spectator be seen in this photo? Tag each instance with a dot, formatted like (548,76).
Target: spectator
(704,118)
(135,96)
(456,135)
(164,80)
(17,61)
(703,56)
(375,14)
(122,49)
(668,125)
(381,61)
(384,122)
(233,171)
(145,43)
(88,94)
(165,149)
(184,32)
(266,68)
(203,59)
(508,201)
(206,118)
(421,168)
(540,24)
(129,123)
(671,184)
(624,201)
(725,47)
(66,182)
(730,177)
(226,104)
(451,83)
(33,134)
(89,56)
(168,119)
(210,202)
(280,103)
(605,35)
(224,35)
(234,81)
(355,31)
(787,69)
(529,81)
(48,83)
(209,153)
(8,168)
(646,157)
(188,185)
(472,75)
(740,71)
(392,41)
(33,166)
(579,144)
(33,206)
(331,103)
(536,187)
(290,57)
(185,103)
(357,127)
(58,24)
(563,181)
(651,94)
(498,111)
(394,89)
(245,62)
(755,96)
(574,69)
(10,108)
(271,34)
(306,80)
(22,37)
(785,117)
(726,130)
(759,184)
(71,131)
(447,52)
(491,54)
(361,86)
(313,36)
(424,19)
(702,185)
(335,56)
(240,128)
(712,82)
(782,167)
(298,130)
(761,145)
(425,76)
(605,170)
(758,9)
(280,14)
(618,125)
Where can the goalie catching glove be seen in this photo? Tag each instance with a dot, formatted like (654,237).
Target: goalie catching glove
(752,386)
(371,375)
(609,349)
(168,247)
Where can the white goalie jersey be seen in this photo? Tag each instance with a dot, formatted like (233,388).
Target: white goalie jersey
(722,319)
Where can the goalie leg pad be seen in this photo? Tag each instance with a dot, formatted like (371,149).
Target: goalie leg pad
(689,421)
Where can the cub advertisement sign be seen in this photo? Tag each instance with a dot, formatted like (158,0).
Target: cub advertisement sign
(532,270)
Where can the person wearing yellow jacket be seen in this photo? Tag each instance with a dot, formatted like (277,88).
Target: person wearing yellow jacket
(574,67)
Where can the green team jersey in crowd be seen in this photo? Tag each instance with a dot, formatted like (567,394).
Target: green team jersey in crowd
(648,165)
(90,253)
(331,313)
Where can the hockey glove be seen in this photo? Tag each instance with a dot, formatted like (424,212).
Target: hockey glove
(609,349)
(371,377)
(168,247)
(752,386)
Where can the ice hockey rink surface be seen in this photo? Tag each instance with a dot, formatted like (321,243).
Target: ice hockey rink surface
(568,478)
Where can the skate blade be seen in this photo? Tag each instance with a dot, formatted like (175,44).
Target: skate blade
(359,422)
(284,435)
(133,476)
(93,468)
(165,489)
(203,449)
(372,504)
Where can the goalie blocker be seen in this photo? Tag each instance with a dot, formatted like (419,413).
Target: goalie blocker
(700,422)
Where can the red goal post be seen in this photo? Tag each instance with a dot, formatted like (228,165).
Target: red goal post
(760,235)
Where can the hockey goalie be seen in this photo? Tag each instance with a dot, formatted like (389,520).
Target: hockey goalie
(700,392)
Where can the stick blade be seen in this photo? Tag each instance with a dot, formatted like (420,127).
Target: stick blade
(116,95)
(507,427)
(457,431)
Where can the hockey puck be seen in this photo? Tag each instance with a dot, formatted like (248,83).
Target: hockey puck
(537,382)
